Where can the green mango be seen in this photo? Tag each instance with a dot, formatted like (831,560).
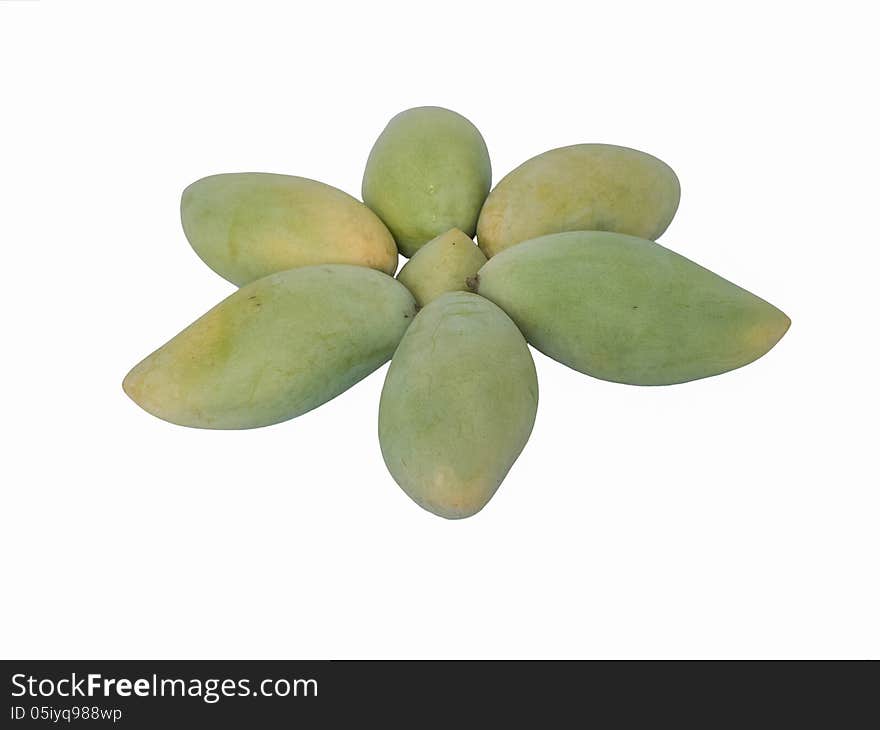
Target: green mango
(428,171)
(275,349)
(443,264)
(585,187)
(458,404)
(626,309)
(251,224)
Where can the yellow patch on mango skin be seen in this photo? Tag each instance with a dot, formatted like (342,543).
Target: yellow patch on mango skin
(171,379)
(763,335)
(249,225)
(584,187)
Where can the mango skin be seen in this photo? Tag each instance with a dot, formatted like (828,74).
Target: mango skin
(428,171)
(251,224)
(275,349)
(458,404)
(585,187)
(628,310)
(442,265)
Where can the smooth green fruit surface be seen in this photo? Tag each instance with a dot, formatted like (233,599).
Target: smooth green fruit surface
(585,187)
(628,310)
(428,171)
(275,349)
(458,404)
(252,224)
(442,265)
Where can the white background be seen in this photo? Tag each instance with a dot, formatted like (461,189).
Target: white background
(731,517)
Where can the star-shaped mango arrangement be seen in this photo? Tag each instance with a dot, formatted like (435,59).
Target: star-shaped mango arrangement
(565,261)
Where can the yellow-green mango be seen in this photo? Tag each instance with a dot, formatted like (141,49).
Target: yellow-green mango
(443,264)
(251,224)
(275,349)
(585,187)
(428,171)
(458,404)
(627,309)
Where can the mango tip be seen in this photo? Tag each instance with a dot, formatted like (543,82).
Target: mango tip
(128,386)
